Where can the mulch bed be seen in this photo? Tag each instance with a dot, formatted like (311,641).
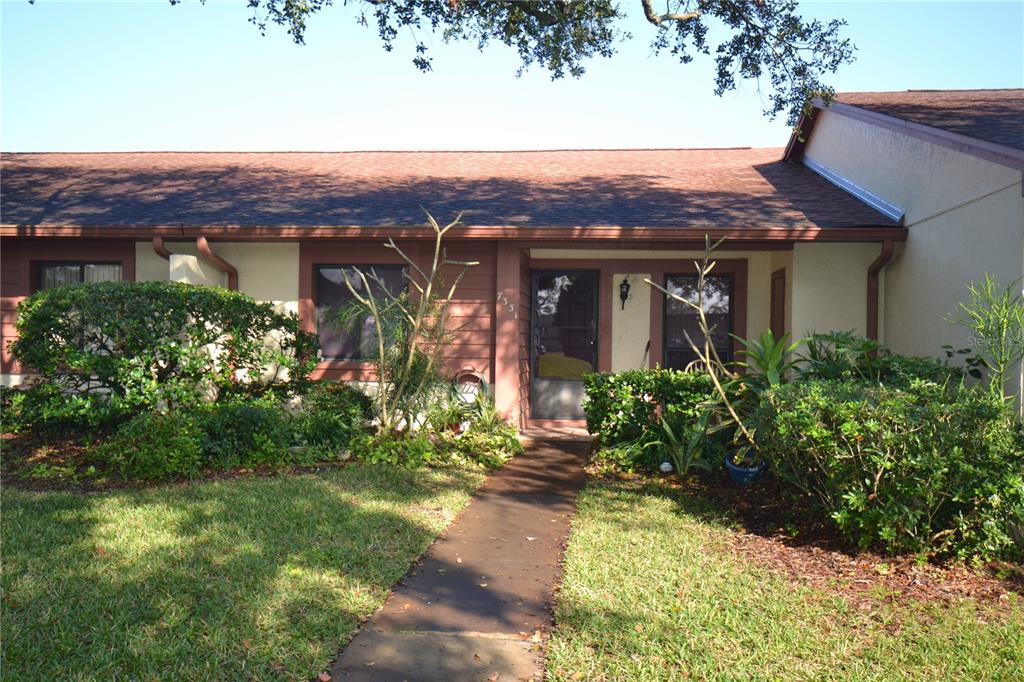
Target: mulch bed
(787,542)
(774,533)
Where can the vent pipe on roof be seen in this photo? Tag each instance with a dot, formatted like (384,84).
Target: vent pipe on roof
(207,254)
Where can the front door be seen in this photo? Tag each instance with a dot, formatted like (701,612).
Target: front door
(563,343)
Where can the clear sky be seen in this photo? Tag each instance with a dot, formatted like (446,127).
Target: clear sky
(112,76)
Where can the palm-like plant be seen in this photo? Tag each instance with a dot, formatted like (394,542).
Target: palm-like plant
(767,359)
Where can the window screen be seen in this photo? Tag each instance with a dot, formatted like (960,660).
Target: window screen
(359,340)
(682,323)
(61,274)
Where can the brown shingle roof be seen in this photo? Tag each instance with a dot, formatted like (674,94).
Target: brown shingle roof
(721,188)
(992,115)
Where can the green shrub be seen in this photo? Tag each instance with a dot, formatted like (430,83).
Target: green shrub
(12,410)
(631,412)
(335,397)
(625,406)
(48,410)
(153,446)
(847,357)
(922,468)
(245,434)
(409,450)
(330,416)
(143,345)
(484,437)
(489,440)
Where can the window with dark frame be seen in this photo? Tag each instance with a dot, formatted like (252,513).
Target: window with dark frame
(57,274)
(331,294)
(681,321)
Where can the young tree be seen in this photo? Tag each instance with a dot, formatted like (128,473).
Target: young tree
(409,327)
(995,318)
(763,40)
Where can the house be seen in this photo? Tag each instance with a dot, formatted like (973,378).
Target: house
(872,219)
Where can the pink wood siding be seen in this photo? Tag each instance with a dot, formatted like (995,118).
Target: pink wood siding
(525,306)
(472,310)
(18,257)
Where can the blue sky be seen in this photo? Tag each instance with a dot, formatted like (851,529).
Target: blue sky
(112,76)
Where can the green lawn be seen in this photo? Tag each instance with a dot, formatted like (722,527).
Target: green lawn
(258,578)
(654,591)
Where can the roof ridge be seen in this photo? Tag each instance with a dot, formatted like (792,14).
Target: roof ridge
(403,151)
(892,92)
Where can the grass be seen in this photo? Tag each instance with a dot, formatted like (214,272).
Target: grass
(654,591)
(257,578)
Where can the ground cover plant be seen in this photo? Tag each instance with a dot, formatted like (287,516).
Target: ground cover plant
(661,582)
(255,578)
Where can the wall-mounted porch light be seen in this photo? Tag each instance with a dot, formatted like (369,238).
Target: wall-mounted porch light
(624,291)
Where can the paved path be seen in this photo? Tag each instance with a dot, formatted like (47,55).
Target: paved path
(472,608)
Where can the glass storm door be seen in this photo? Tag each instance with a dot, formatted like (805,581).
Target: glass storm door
(563,341)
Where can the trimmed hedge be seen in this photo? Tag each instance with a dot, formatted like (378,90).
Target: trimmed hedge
(926,468)
(624,407)
(143,345)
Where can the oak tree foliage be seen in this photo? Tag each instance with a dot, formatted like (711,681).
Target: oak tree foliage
(766,41)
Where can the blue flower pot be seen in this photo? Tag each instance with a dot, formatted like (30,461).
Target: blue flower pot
(741,474)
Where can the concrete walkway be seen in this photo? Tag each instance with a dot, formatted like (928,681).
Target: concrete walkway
(478,606)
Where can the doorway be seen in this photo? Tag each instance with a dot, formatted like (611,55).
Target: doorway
(563,341)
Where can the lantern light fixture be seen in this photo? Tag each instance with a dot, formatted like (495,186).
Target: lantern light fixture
(624,291)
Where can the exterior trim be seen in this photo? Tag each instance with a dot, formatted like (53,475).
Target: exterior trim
(990,151)
(777,307)
(873,270)
(556,423)
(607,233)
(867,196)
(801,135)
(507,360)
(207,254)
(160,248)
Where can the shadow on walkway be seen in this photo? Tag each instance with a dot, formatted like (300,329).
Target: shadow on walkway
(472,608)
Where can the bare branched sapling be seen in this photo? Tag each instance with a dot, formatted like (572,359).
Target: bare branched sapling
(707,355)
(410,327)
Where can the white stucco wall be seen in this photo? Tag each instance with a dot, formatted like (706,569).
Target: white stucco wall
(150,267)
(631,323)
(190,269)
(266,271)
(965,218)
(829,287)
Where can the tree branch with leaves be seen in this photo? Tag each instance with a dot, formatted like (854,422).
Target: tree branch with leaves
(765,41)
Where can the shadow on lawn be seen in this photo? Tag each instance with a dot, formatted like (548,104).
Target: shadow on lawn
(761,509)
(255,579)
